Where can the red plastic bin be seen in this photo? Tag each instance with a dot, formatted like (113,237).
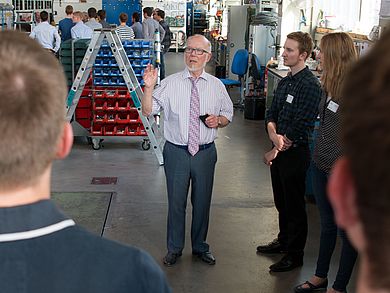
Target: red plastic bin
(109,130)
(99,104)
(121,130)
(83,113)
(123,105)
(97,129)
(99,94)
(132,130)
(122,118)
(110,117)
(100,117)
(111,104)
(84,103)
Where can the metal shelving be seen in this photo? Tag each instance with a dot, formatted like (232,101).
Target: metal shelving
(6,16)
(27,12)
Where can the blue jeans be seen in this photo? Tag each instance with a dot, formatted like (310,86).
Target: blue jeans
(329,234)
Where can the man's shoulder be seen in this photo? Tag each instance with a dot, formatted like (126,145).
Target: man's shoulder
(310,77)
(213,79)
(174,78)
(108,250)
(65,21)
(75,252)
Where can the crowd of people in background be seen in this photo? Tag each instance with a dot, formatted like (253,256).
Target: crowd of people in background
(80,25)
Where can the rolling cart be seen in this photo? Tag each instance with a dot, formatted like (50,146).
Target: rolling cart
(104,99)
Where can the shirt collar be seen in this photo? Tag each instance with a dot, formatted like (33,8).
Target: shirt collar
(29,217)
(299,74)
(187,74)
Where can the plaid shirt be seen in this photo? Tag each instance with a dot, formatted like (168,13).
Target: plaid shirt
(295,106)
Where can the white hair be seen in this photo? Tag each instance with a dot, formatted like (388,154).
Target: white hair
(204,38)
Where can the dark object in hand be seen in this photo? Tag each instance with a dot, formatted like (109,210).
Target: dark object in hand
(203,118)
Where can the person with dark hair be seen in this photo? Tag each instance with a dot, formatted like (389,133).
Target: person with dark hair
(80,30)
(159,15)
(123,30)
(189,153)
(337,56)
(102,18)
(137,26)
(41,249)
(289,122)
(92,22)
(66,24)
(359,184)
(46,34)
(149,25)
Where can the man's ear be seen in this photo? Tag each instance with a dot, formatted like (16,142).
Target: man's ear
(65,142)
(303,56)
(342,194)
(208,57)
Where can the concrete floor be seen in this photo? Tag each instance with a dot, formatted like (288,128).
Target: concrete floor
(242,215)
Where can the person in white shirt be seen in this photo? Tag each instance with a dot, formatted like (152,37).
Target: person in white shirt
(46,34)
(92,22)
(80,30)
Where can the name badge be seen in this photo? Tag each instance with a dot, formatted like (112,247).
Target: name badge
(332,106)
(290,98)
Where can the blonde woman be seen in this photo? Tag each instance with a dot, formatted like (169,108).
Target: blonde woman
(337,55)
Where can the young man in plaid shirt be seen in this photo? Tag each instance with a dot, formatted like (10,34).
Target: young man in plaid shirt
(289,122)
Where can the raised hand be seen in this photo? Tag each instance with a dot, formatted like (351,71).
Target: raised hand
(150,76)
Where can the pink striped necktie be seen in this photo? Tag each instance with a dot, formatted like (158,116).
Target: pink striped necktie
(194,123)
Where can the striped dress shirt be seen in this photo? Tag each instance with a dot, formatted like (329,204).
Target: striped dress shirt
(125,32)
(173,96)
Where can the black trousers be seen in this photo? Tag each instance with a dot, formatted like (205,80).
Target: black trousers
(288,174)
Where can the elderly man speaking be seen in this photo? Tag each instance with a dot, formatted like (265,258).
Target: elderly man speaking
(195,105)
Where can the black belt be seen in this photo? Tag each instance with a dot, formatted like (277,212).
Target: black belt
(185,147)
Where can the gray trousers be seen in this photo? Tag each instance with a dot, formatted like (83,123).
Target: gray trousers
(181,169)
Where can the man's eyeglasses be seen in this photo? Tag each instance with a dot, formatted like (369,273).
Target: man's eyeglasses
(198,51)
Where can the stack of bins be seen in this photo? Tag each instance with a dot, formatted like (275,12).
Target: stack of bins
(67,57)
(84,109)
(113,110)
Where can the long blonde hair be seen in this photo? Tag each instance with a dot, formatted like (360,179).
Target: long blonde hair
(339,53)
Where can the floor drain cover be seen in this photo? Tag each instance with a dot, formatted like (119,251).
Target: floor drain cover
(104,180)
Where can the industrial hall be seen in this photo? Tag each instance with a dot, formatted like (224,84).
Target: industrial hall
(195,146)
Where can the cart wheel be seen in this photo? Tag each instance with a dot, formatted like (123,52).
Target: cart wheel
(97,143)
(146,145)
